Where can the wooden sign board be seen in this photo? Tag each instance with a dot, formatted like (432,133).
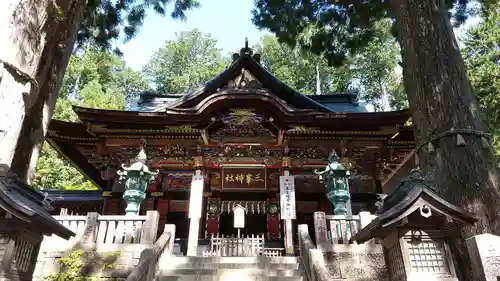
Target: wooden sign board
(244,178)
(239,216)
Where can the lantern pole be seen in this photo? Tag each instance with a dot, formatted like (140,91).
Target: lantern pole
(137,177)
(336,179)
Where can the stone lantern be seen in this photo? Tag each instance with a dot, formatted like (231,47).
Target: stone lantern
(336,179)
(415,225)
(137,177)
(24,220)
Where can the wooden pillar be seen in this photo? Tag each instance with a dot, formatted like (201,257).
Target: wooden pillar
(162,205)
(111,206)
(146,205)
(212,217)
(273,219)
(195,208)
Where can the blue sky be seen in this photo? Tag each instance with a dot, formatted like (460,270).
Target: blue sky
(229,21)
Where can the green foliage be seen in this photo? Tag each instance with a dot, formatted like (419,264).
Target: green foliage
(481,51)
(192,58)
(335,29)
(107,20)
(73,266)
(298,69)
(100,80)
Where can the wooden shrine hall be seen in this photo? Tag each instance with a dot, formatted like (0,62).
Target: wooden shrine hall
(242,131)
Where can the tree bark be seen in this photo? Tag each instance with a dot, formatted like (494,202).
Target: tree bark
(23,28)
(441,99)
(59,43)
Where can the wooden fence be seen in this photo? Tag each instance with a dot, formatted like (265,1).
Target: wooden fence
(249,246)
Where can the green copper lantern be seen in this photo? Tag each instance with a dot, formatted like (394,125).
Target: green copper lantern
(336,179)
(137,178)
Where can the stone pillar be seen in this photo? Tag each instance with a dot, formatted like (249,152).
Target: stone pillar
(150,230)
(195,207)
(289,249)
(320,228)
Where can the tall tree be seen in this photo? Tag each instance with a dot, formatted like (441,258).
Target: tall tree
(300,69)
(95,78)
(188,60)
(481,50)
(38,37)
(440,95)
(375,65)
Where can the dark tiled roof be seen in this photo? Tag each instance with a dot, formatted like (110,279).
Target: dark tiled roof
(27,204)
(73,195)
(151,102)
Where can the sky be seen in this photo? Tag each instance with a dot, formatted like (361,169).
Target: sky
(228,21)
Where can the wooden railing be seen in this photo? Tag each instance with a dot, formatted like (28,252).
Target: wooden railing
(152,258)
(97,229)
(338,229)
(249,246)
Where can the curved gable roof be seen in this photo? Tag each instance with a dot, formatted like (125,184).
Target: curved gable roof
(248,62)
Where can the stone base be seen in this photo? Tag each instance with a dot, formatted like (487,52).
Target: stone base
(356,262)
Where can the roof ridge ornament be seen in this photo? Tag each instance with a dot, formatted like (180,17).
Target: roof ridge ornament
(246,50)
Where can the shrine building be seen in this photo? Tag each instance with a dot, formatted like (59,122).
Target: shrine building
(241,130)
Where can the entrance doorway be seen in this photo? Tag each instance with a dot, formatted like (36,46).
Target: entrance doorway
(254,224)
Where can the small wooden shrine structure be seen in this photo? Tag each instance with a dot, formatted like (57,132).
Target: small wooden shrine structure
(242,130)
(24,220)
(416,225)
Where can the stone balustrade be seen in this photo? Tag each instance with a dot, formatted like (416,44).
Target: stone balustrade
(101,236)
(338,229)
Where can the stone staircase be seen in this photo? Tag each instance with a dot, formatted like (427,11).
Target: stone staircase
(231,269)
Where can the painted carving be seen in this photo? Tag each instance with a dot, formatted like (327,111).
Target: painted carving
(308,153)
(242,123)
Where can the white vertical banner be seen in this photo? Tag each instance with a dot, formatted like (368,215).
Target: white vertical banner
(196,197)
(287,198)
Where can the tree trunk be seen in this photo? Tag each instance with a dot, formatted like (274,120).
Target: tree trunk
(60,39)
(385,105)
(441,99)
(23,29)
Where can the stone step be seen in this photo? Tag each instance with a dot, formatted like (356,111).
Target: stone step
(181,263)
(233,272)
(234,260)
(227,278)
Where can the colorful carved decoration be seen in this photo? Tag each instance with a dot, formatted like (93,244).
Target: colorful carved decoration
(242,123)
(273,219)
(285,162)
(177,181)
(273,179)
(213,217)
(305,153)
(198,161)
(215,181)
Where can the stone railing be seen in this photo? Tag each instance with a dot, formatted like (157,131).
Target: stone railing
(102,236)
(312,258)
(152,258)
(97,229)
(338,229)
